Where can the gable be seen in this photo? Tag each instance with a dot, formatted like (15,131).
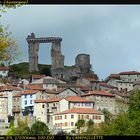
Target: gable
(68,92)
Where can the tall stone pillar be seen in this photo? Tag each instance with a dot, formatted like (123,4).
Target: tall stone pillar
(33,47)
(33,56)
(57,57)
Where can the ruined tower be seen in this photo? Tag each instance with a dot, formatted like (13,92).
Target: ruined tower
(83,62)
(33,48)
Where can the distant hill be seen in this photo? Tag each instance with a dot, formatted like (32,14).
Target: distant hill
(21,70)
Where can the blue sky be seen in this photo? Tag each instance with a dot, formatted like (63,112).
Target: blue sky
(109,33)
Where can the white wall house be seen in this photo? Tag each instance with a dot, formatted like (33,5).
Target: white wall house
(67,119)
(27,99)
(130,76)
(125,85)
(8,91)
(4,71)
(45,108)
(74,102)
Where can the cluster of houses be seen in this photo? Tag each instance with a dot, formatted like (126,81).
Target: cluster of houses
(60,105)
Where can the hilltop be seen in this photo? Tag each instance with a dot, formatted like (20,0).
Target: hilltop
(21,70)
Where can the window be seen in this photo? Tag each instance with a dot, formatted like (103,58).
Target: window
(72,116)
(31,96)
(65,116)
(43,106)
(54,104)
(25,96)
(72,123)
(87,117)
(65,124)
(55,118)
(78,117)
(25,102)
(31,102)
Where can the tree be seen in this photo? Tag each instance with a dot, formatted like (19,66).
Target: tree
(9,50)
(90,127)
(22,128)
(39,128)
(125,123)
(26,111)
(108,116)
(80,124)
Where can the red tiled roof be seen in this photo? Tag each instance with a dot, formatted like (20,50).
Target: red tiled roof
(4,68)
(114,76)
(29,92)
(47,100)
(9,87)
(98,92)
(37,76)
(34,87)
(76,99)
(17,95)
(91,79)
(129,73)
(80,111)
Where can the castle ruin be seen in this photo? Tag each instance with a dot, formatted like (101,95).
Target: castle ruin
(81,68)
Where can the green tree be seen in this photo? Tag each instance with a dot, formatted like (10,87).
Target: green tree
(39,128)
(79,124)
(9,50)
(22,128)
(90,127)
(26,111)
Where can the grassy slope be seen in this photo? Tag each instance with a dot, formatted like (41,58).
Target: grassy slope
(21,69)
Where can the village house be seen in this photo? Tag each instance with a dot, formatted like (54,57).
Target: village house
(67,119)
(17,105)
(3,108)
(4,71)
(9,91)
(102,100)
(27,100)
(44,109)
(125,85)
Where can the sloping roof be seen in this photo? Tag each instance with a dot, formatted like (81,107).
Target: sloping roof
(76,99)
(47,100)
(34,87)
(17,95)
(106,85)
(50,81)
(98,92)
(80,111)
(37,76)
(9,87)
(4,68)
(29,92)
(114,76)
(129,73)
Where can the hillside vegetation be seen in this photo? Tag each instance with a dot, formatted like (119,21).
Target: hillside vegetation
(21,70)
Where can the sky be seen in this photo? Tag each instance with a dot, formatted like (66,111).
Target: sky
(110,34)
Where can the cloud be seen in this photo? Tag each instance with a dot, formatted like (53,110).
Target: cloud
(109,33)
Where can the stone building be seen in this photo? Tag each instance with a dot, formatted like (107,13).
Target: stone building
(102,100)
(82,65)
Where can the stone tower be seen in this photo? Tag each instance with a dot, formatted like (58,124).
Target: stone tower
(33,48)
